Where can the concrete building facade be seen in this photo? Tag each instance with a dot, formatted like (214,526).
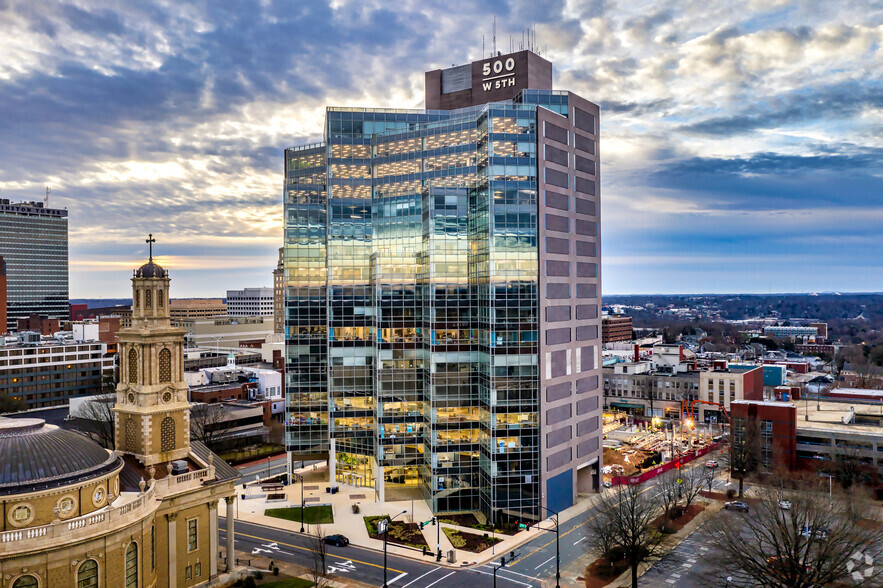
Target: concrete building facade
(616,328)
(250,302)
(77,514)
(51,372)
(34,245)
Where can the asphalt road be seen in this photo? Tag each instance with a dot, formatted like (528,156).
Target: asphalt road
(365,565)
(534,561)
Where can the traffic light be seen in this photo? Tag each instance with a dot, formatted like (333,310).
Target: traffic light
(503,561)
(433,521)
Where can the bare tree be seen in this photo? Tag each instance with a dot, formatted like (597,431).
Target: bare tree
(812,543)
(318,557)
(205,423)
(276,435)
(668,493)
(744,452)
(11,404)
(622,527)
(96,419)
(847,467)
(694,480)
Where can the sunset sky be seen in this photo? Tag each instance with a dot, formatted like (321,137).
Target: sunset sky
(741,143)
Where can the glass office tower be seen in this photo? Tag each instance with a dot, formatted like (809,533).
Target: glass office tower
(34,243)
(420,354)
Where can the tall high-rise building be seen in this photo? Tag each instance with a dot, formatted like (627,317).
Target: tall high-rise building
(442,269)
(33,242)
(279,294)
(3,328)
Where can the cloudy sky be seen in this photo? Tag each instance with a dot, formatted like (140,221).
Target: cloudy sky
(741,142)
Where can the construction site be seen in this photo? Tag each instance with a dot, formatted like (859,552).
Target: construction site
(631,449)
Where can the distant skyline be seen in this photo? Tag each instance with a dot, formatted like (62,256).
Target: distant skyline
(741,143)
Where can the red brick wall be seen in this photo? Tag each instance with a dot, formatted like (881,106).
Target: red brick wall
(752,384)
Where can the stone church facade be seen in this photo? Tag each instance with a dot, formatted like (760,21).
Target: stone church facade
(75,515)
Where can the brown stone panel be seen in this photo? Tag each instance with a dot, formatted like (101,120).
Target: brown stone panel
(568,364)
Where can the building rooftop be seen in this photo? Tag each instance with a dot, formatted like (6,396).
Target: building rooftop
(35,456)
(829,415)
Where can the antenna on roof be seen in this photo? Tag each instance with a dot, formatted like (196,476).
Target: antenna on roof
(495,35)
(46,198)
(482,46)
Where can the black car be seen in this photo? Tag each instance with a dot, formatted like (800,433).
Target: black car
(338,540)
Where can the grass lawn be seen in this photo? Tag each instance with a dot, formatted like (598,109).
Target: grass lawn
(289,583)
(469,541)
(313,515)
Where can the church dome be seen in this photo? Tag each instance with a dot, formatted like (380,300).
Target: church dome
(150,270)
(35,456)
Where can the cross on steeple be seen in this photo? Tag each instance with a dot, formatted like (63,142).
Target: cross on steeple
(150,241)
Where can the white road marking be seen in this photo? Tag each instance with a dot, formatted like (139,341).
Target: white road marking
(583,539)
(501,577)
(439,580)
(545,562)
(417,578)
(399,577)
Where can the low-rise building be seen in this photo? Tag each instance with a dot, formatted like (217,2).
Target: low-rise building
(250,302)
(39,324)
(229,331)
(196,308)
(616,328)
(49,372)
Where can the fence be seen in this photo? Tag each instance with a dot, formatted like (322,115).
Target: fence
(650,474)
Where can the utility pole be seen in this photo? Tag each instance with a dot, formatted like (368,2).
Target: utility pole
(383,527)
(557,546)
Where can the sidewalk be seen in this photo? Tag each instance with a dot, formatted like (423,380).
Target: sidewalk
(577,569)
(352,525)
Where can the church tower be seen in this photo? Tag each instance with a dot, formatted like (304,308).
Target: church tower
(153,413)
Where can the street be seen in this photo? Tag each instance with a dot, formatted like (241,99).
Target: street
(366,565)
(534,560)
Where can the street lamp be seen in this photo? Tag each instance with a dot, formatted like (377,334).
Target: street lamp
(301,478)
(557,550)
(384,523)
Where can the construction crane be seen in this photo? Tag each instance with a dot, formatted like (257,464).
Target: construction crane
(689,410)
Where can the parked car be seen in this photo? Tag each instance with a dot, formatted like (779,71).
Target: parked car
(606,484)
(821,532)
(736,505)
(711,463)
(338,540)
(785,504)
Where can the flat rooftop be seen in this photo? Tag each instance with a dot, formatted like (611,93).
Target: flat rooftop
(828,416)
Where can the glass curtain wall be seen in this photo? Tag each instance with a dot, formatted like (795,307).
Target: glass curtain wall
(306,330)
(428,327)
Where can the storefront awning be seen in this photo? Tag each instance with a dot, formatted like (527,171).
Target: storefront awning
(626,405)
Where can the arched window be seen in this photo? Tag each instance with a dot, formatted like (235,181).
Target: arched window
(132,566)
(165,365)
(159,298)
(87,575)
(147,298)
(167,434)
(130,434)
(26,582)
(133,366)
